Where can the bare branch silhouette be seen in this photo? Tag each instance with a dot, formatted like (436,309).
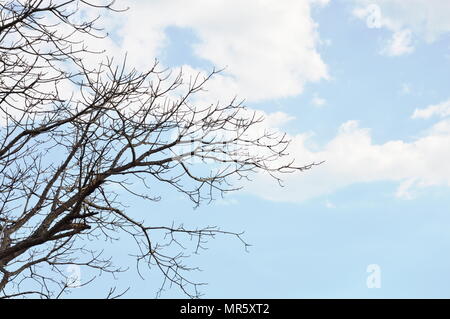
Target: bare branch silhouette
(62,156)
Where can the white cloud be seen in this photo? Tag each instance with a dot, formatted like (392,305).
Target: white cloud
(404,190)
(426,19)
(351,157)
(320,2)
(318,101)
(329,204)
(268,48)
(441,109)
(277,119)
(399,44)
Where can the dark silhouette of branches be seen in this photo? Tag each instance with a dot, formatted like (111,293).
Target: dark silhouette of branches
(71,134)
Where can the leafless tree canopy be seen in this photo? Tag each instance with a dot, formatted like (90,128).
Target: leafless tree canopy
(72,134)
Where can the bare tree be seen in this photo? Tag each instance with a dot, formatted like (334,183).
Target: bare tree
(64,156)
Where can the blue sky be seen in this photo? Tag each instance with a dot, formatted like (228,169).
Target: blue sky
(363,85)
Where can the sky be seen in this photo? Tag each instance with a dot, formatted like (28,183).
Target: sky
(360,84)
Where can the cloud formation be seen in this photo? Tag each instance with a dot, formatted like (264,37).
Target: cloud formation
(425,19)
(352,157)
(269,48)
(399,44)
(271,51)
(441,109)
